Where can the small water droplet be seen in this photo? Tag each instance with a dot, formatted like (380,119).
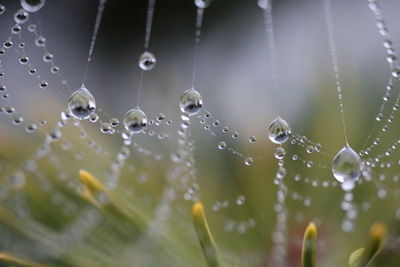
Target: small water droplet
(252,139)
(191,102)
(114,122)
(135,120)
(2,9)
(21,16)
(48,57)
(240,200)
(248,161)
(106,128)
(81,104)
(310,149)
(40,41)
(279,131)
(23,60)
(147,61)
(16,29)
(346,165)
(280,153)
(221,145)
(32,5)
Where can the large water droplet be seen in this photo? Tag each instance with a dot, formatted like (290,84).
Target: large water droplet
(21,16)
(32,5)
(147,61)
(135,120)
(346,165)
(279,131)
(82,104)
(191,102)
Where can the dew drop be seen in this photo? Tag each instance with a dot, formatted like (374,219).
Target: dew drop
(106,128)
(81,104)
(346,165)
(94,117)
(191,102)
(279,131)
(2,9)
(147,61)
(40,41)
(221,145)
(23,60)
(248,161)
(240,200)
(202,3)
(235,135)
(32,5)
(31,127)
(21,16)
(48,57)
(252,139)
(280,153)
(114,122)
(135,120)
(310,149)
(16,29)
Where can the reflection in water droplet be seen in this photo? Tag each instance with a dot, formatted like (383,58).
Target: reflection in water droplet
(135,120)
(248,161)
(346,165)
(21,16)
(279,131)
(191,102)
(82,104)
(147,61)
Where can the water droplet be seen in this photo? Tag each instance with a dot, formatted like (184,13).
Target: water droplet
(16,29)
(191,102)
(2,9)
(221,145)
(114,122)
(160,117)
(348,185)
(346,165)
(135,120)
(32,5)
(48,57)
(54,135)
(17,119)
(94,117)
(252,139)
(40,41)
(202,3)
(280,153)
(240,200)
(279,131)
(295,157)
(21,16)
(248,161)
(147,61)
(31,127)
(32,27)
(23,60)
(106,128)
(81,104)
(310,149)
(235,135)
(8,44)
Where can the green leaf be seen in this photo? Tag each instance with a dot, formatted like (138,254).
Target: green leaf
(309,251)
(363,256)
(204,235)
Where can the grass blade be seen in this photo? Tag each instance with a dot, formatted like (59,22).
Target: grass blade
(309,251)
(204,235)
(377,238)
